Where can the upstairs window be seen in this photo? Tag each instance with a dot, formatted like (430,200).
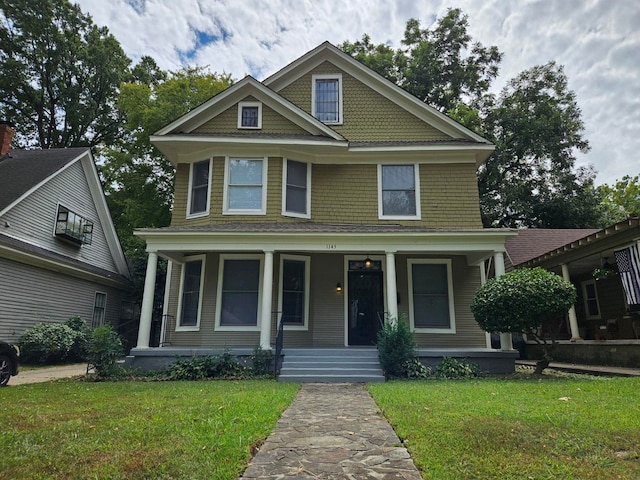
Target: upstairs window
(326,98)
(250,115)
(199,188)
(399,192)
(245,186)
(73,227)
(297,194)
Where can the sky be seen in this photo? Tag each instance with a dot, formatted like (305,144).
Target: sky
(597,42)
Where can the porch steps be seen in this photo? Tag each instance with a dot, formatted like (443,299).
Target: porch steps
(330,365)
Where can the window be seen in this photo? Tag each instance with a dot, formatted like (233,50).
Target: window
(239,292)
(99,309)
(431,296)
(294,293)
(245,186)
(591,304)
(296,193)
(199,190)
(190,300)
(250,115)
(399,192)
(73,227)
(326,98)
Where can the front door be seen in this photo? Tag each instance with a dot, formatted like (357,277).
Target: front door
(366,306)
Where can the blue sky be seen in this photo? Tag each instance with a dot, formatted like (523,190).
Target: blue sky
(597,41)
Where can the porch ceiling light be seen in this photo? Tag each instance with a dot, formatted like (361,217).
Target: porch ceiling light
(367,262)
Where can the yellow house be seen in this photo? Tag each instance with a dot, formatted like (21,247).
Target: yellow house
(314,206)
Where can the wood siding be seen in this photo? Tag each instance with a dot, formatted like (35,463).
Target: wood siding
(31,295)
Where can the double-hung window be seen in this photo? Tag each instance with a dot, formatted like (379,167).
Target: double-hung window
(239,292)
(431,295)
(294,292)
(398,192)
(199,188)
(250,115)
(591,303)
(326,98)
(190,302)
(99,309)
(296,193)
(245,186)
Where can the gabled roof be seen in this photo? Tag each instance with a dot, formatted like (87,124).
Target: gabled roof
(531,243)
(326,52)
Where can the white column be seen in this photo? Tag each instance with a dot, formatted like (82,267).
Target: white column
(267,294)
(483,280)
(146,311)
(573,319)
(506,342)
(392,290)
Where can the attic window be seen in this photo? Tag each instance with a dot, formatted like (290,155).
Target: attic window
(73,227)
(250,115)
(326,98)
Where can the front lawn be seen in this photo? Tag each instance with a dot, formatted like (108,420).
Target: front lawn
(136,430)
(518,429)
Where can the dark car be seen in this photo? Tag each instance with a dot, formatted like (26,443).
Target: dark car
(9,355)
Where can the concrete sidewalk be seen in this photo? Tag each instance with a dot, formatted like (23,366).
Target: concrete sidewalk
(332,431)
(47,374)
(588,369)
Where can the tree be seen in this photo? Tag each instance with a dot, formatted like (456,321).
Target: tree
(621,199)
(59,74)
(527,301)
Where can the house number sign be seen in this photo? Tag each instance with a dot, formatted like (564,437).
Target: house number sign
(331,246)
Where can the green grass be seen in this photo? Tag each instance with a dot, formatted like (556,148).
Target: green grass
(517,429)
(136,430)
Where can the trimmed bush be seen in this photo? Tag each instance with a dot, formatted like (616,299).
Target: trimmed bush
(261,361)
(452,368)
(206,367)
(396,347)
(52,343)
(105,347)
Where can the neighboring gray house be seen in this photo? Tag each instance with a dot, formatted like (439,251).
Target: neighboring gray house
(59,252)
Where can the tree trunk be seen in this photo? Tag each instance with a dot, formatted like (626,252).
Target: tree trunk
(540,366)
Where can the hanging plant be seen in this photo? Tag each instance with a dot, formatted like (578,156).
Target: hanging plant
(600,273)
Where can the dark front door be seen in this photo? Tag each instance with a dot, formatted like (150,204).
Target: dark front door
(366,307)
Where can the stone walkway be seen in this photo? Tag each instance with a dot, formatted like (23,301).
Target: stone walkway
(332,431)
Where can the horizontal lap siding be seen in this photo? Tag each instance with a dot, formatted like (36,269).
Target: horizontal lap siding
(30,295)
(327,305)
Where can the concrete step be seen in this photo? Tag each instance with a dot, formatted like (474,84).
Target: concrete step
(328,352)
(338,363)
(319,378)
(331,365)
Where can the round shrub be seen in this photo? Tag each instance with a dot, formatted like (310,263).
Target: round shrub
(47,343)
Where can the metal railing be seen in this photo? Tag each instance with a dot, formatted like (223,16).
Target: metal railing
(167,326)
(277,361)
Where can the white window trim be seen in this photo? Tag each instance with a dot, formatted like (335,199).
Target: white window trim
(227,173)
(190,189)
(586,303)
(307,284)
(452,315)
(104,318)
(196,327)
(238,328)
(331,76)
(286,213)
(249,104)
(416,176)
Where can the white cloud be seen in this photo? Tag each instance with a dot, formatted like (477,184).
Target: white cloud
(598,42)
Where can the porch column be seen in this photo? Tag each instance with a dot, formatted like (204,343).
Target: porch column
(573,320)
(267,293)
(146,311)
(506,342)
(483,280)
(392,291)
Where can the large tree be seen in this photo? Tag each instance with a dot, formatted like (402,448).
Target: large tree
(59,74)
(621,199)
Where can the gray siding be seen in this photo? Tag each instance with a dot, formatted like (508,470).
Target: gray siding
(33,219)
(30,295)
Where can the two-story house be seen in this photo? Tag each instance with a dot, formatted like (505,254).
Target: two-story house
(326,198)
(59,252)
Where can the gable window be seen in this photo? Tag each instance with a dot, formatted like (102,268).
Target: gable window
(399,192)
(296,193)
(431,296)
(591,303)
(199,188)
(190,300)
(326,98)
(99,309)
(73,227)
(239,292)
(250,115)
(245,186)
(294,293)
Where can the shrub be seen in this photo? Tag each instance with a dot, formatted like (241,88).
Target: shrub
(415,369)
(396,347)
(207,366)
(105,346)
(48,343)
(80,347)
(452,368)
(261,361)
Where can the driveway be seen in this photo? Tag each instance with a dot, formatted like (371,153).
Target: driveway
(47,374)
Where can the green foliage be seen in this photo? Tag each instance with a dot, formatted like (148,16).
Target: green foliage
(621,199)
(261,361)
(59,74)
(452,368)
(396,347)
(105,347)
(414,369)
(80,347)
(53,343)
(207,367)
